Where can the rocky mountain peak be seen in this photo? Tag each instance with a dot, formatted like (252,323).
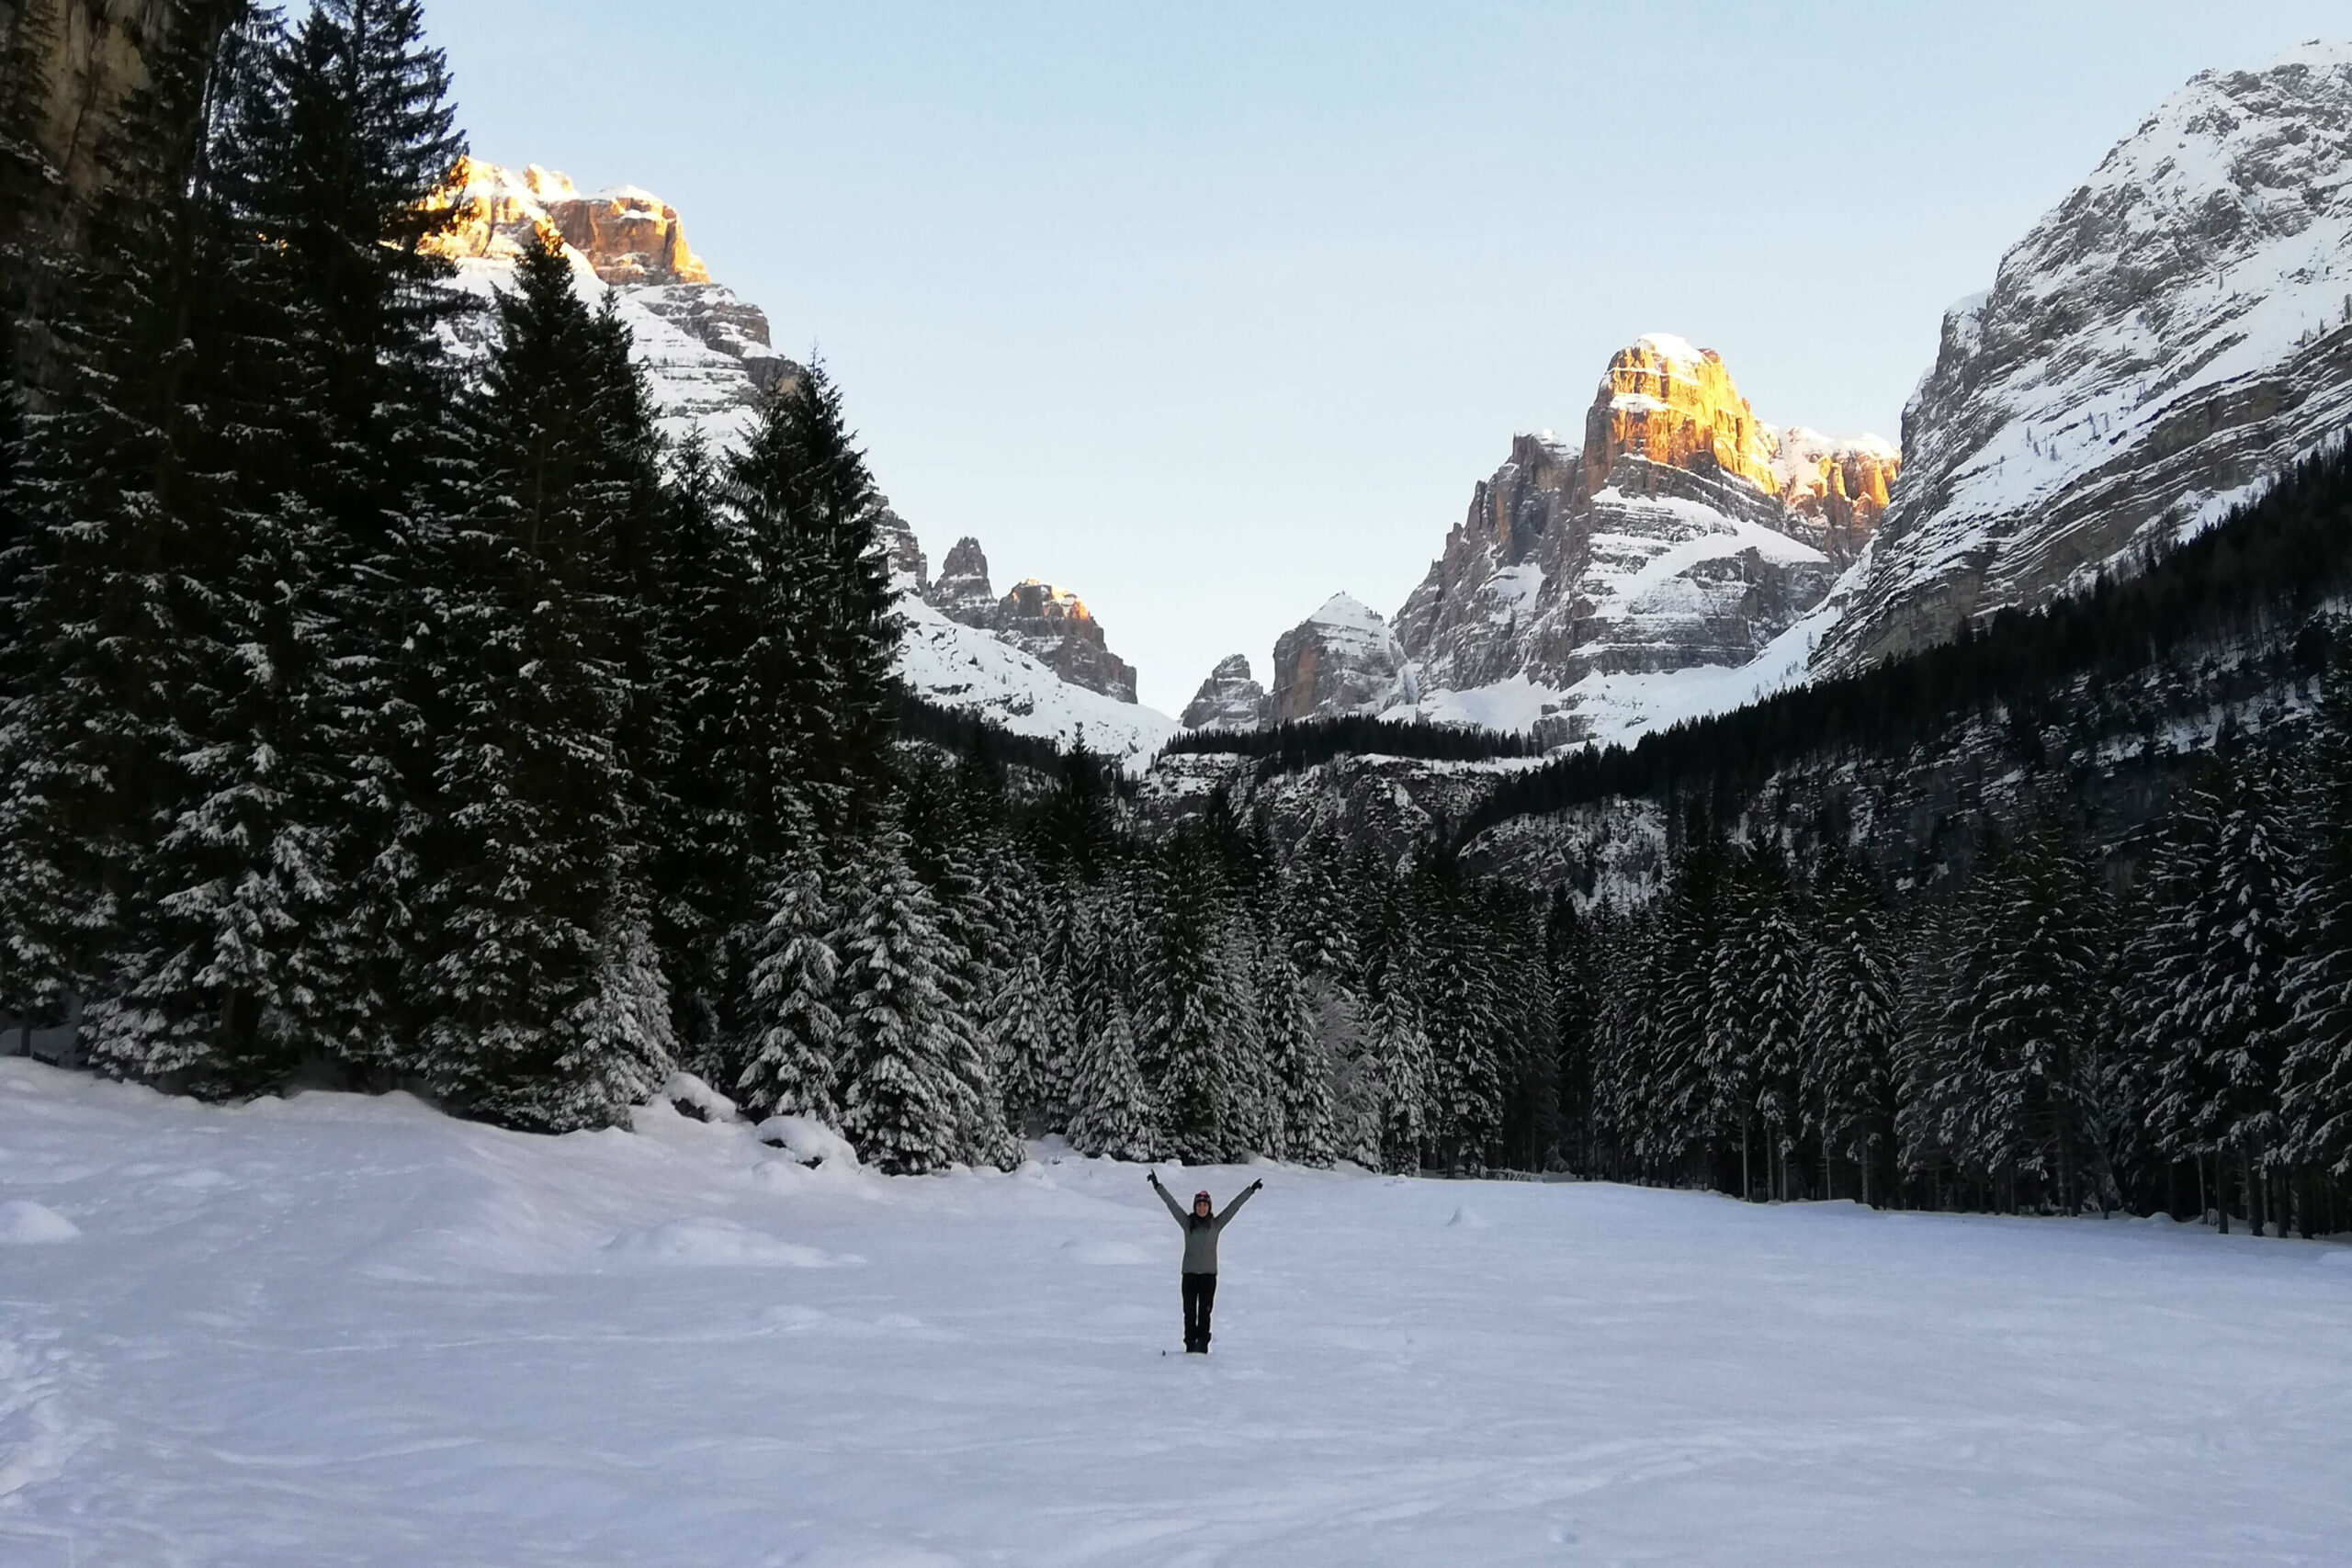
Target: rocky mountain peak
(1054,627)
(1671,403)
(1228,699)
(1686,534)
(707,351)
(962,591)
(1051,625)
(1343,659)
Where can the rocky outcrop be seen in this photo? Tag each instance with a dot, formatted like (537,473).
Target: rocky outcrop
(706,350)
(1341,660)
(75,64)
(626,235)
(962,591)
(1228,699)
(68,71)
(2169,337)
(1837,487)
(1054,627)
(1672,404)
(908,570)
(1051,625)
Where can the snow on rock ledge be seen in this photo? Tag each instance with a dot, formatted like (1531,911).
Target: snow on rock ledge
(2164,341)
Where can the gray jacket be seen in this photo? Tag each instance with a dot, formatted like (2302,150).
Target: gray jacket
(1200,1240)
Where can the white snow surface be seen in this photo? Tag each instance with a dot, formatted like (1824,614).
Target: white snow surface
(346,1330)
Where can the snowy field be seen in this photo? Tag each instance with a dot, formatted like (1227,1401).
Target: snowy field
(343,1331)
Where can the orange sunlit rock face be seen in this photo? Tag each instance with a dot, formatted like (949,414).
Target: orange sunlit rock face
(1670,403)
(1840,485)
(627,235)
(1663,400)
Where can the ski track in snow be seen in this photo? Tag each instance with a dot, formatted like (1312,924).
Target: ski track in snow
(343,1330)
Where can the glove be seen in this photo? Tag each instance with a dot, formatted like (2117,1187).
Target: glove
(1257,1187)
(1152,1177)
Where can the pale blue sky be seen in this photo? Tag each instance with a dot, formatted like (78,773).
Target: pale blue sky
(1208,310)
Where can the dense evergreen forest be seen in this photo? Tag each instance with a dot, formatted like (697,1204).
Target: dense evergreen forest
(376,715)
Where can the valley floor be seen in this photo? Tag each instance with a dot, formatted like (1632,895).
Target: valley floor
(350,1331)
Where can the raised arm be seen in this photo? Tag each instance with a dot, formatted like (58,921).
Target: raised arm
(1235,1207)
(1169,1198)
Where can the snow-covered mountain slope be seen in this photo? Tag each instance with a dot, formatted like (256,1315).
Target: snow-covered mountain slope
(2162,341)
(335,1329)
(957,666)
(1592,592)
(1036,665)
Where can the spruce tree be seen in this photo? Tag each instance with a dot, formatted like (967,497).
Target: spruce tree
(1464,1014)
(903,1103)
(1402,1065)
(530,861)
(1111,1111)
(1294,1057)
(2026,1025)
(2317,1071)
(1756,995)
(705,891)
(145,881)
(1573,953)
(1850,1030)
(333,158)
(795,1052)
(1187,986)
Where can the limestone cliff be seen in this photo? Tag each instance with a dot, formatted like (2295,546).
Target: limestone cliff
(626,235)
(2159,345)
(1670,403)
(73,65)
(70,71)
(1341,660)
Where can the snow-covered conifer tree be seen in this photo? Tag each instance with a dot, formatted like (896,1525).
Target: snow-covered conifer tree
(531,858)
(1111,1111)
(902,1102)
(1850,1031)
(795,1052)
(2316,1072)
(1294,1057)
(1186,984)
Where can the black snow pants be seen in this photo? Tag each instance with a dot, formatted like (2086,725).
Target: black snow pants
(1200,1299)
